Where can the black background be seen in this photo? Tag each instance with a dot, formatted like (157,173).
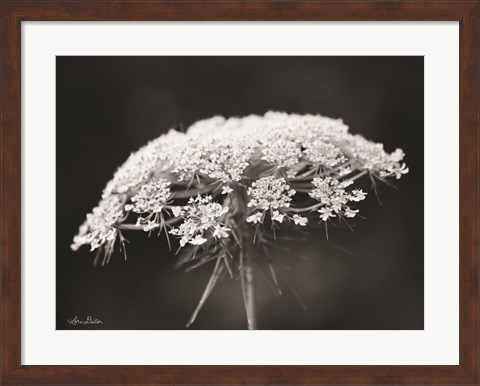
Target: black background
(108,107)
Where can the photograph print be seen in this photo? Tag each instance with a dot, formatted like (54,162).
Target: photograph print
(240,192)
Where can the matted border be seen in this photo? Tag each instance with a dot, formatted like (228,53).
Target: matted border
(13,12)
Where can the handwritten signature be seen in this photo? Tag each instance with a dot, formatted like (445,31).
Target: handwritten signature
(88,320)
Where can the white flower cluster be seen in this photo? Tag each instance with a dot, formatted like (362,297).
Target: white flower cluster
(201,216)
(324,153)
(372,157)
(268,158)
(151,199)
(222,149)
(333,197)
(219,185)
(269,193)
(99,227)
(219,159)
(136,170)
(283,152)
(146,163)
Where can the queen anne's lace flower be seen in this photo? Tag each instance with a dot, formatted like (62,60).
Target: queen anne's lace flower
(333,197)
(281,152)
(217,185)
(270,193)
(264,159)
(226,161)
(152,197)
(201,216)
(324,153)
(372,157)
(140,166)
(99,227)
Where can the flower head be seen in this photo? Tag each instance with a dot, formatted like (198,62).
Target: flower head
(270,193)
(267,160)
(333,197)
(152,197)
(281,152)
(261,163)
(201,217)
(324,153)
(99,227)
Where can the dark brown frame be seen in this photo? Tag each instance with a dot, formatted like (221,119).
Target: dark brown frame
(15,11)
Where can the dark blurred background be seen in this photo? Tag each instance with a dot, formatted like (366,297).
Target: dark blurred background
(370,278)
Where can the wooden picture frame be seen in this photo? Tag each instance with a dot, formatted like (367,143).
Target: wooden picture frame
(13,12)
